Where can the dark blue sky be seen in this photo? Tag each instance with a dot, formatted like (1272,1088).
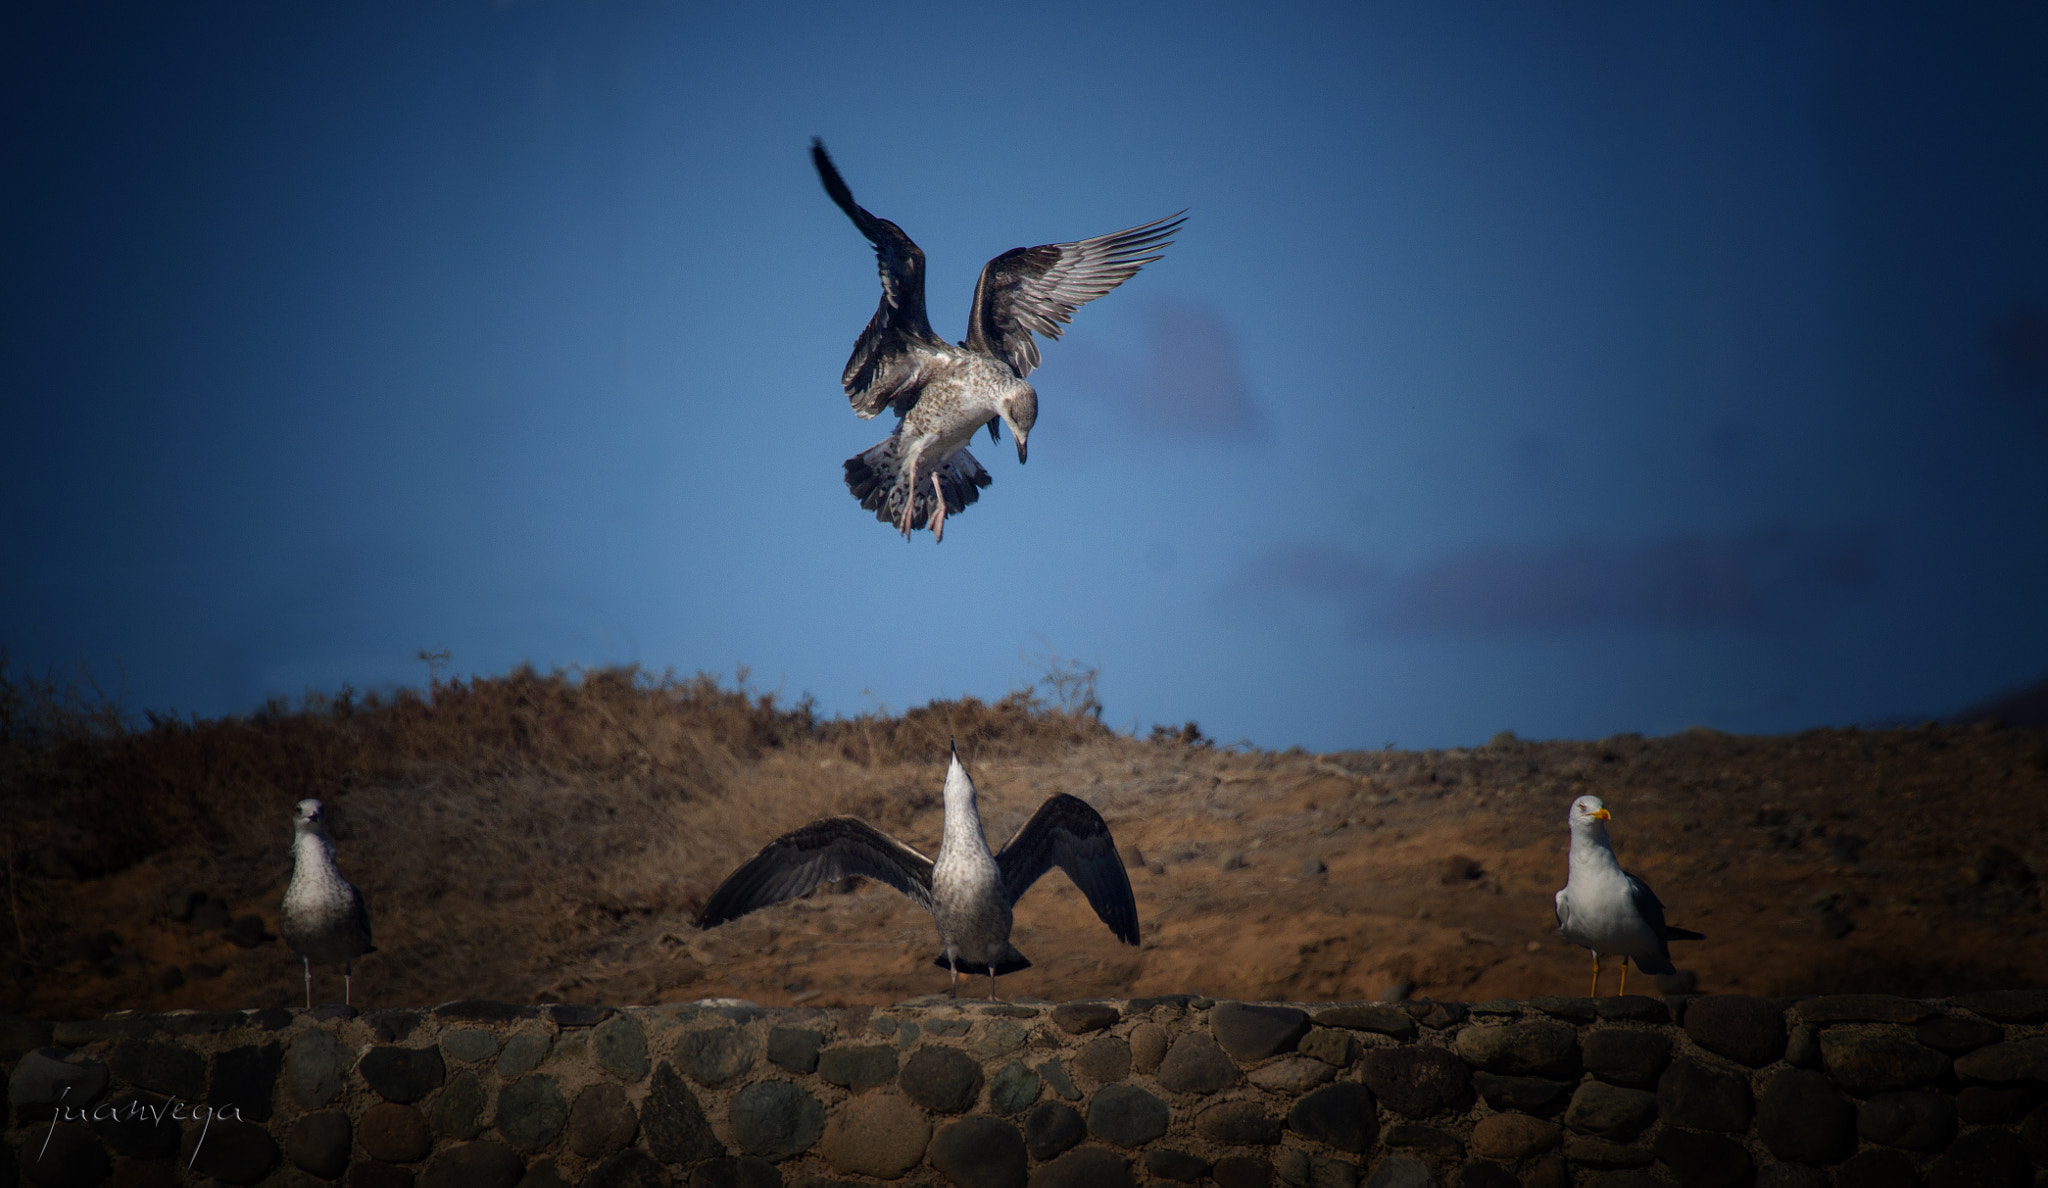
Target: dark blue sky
(1563,370)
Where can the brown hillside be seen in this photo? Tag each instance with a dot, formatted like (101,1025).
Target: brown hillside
(538,838)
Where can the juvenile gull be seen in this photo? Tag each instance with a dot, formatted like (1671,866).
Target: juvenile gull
(922,473)
(1607,909)
(323,918)
(968,891)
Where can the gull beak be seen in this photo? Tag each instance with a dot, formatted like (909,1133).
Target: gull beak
(1601,814)
(1020,449)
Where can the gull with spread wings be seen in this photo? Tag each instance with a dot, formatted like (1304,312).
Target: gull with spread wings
(944,392)
(968,890)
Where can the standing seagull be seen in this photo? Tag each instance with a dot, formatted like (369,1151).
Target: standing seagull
(1607,909)
(323,918)
(944,393)
(968,891)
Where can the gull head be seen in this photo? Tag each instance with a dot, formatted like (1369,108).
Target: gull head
(1588,810)
(1018,408)
(310,816)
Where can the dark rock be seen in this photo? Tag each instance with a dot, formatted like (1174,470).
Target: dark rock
(1633,1008)
(947,1028)
(1513,1136)
(677,1130)
(1698,1096)
(1801,1118)
(473,1165)
(858,1068)
(1052,1127)
(231,1152)
(2004,1063)
(1532,1048)
(2033,1134)
(319,1143)
(1382,1020)
(1610,1111)
(1104,1059)
(201,1022)
(163,1068)
(532,1112)
(1428,1138)
(715,1057)
(1988,1158)
(2007,1006)
(1879,1169)
(1238,1124)
(326,1012)
(1599,1152)
(139,1125)
(270,1018)
(1127,1116)
(601,1121)
(394,1133)
(459,1108)
(941,1079)
(1915,1121)
(1196,1064)
(1954,1035)
(245,1078)
(1417,1081)
(1138,1006)
(1981,1105)
(626,1169)
(478,1010)
(1571,1010)
(1168,1164)
(1343,1115)
(1058,1081)
(620,1045)
(1013,1088)
(1704,1160)
(1625,1056)
(65,1154)
(1248,1032)
(795,1049)
(1792,1175)
(775,1120)
(879,1134)
(745,1172)
(522,1053)
(1438,1015)
(1394,1171)
(1530,1095)
(1862,1008)
(386,1027)
(403,1075)
(1331,1046)
(1075,1018)
(1802,1049)
(1746,1030)
(565,1015)
(313,1066)
(1481,1174)
(1242,1171)
(544,1174)
(1867,1064)
(1085,1167)
(981,1153)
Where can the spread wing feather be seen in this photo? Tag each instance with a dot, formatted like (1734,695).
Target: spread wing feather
(1066,832)
(1651,909)
(886,363)
(820,852)
(1037,289)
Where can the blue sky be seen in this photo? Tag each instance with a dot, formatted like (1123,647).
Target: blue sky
(1562,370)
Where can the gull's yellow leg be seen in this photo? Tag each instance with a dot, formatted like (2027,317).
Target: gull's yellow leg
(1595,991)
(1624,977)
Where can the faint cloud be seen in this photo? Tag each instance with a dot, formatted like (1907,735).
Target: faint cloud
(1686,581)
(1188,382)
(2017,343)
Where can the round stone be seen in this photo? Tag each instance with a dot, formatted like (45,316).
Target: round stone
(1878,1168)
(795,1049)
(139,1125)
(858,1068)
(880,1135)
(370,1173)
(713,1058)
(677,1130)
(403,1075)
(531,1112)
(1251,1032)
(458,1111)
(1013,1088)
(1705,1160)
(1052,1127)
(631,1168)
(1148,1046)
(1085,1167)
(1802,1119)
(1531,1048)
(1865,1064)
(319,1143)
(601,1121)
(1417,1081)
(473,1165)
(744,1172)
(981,1153)
(1238,1124)
(1168,1164)
(231,1152)
(2002,1064)
(246,1078)
(1915,1121)
(162,1068)
(1610,1111)
(65,1154)
(470,1044)
(1104,1059)
(999,1037)
(1698,1096)
(1382,1020)
(1513,1136)
(1292,1074)
(1987,1158)
(1625,1055)
(2034,1134)
(775,1120)
(1343,1115)
(523,1053)
(1955,1035)
(1076,1018)
(1397,1171)
(1330,1045)
(1242,1171)
(1195,1064)
(394,1133)
(620,1045)
(1746,1030)
(942,1079)
(1127,1116)
(313,1065)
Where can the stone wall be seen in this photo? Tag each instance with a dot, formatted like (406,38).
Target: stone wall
(1859,1089)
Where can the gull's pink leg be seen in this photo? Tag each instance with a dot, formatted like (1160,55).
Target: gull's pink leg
(309,983)
(939,512)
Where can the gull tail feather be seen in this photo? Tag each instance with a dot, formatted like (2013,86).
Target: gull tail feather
(1672,934)
(876,477)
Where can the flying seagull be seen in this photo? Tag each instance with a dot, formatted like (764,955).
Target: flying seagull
(1607,909)
(322,918)
(968,891)
(943,393)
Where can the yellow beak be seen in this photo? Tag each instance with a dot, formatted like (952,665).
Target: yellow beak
(1601,814)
